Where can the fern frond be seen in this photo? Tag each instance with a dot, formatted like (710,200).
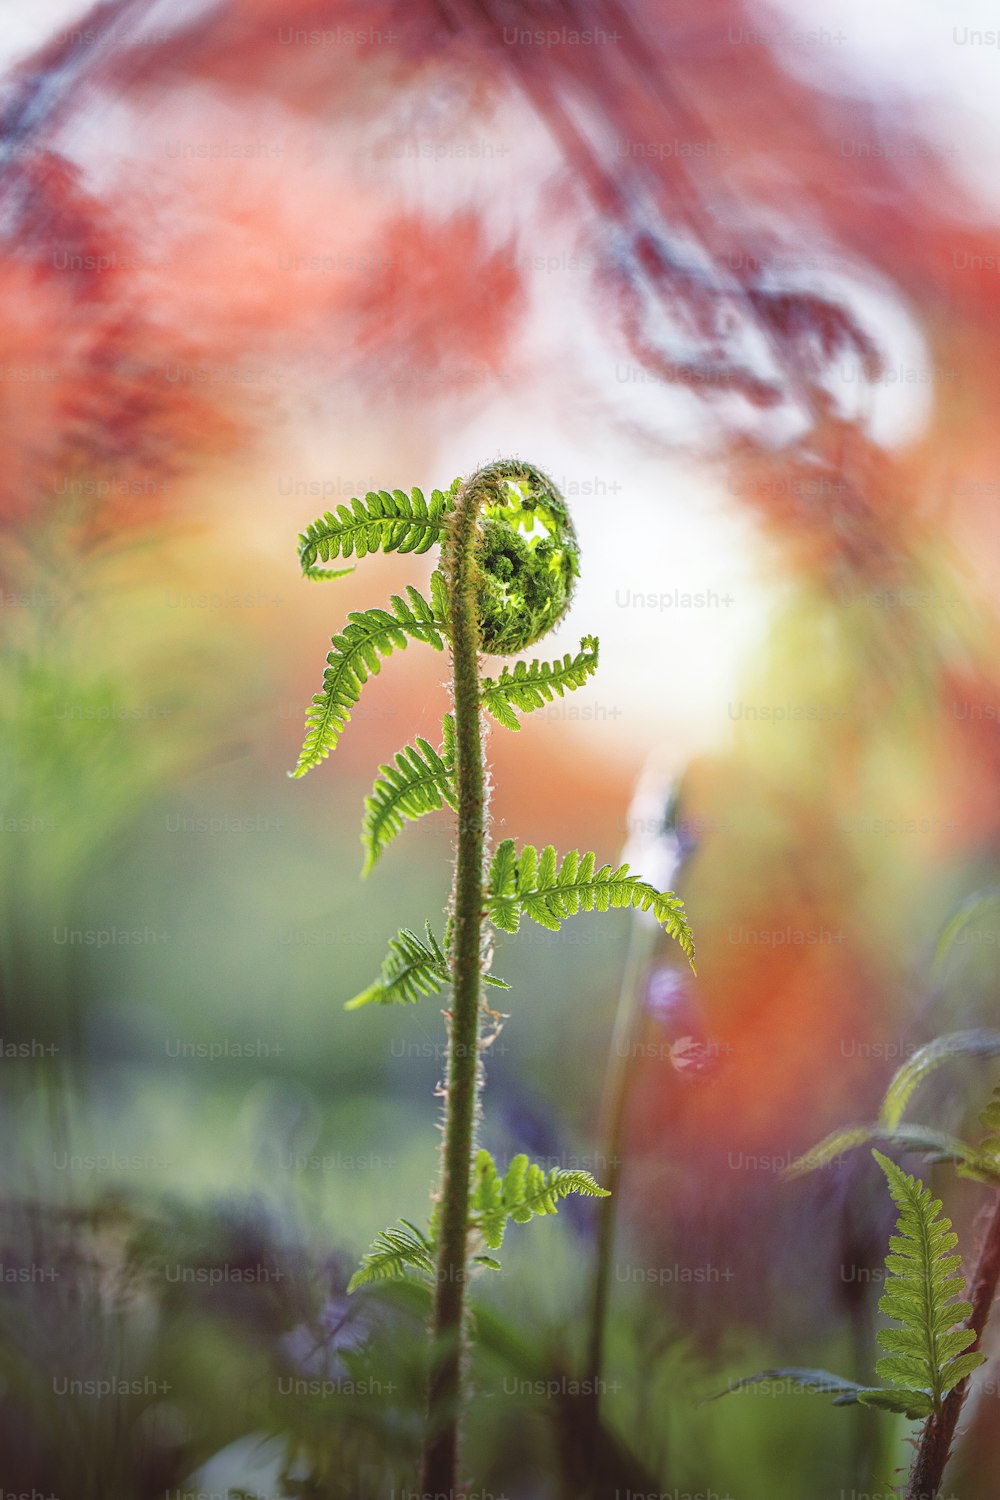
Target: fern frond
(325,575)
(938,1146)
(412,968)
(906,1079)
(357,654)
(529,686)
(989,1118)
(421,780)
(983,1164)
(969,910)
(532,883)
(924,1358)
(525,1190)
(394,1252)
(990,1121)
(381,522)
(844,1392)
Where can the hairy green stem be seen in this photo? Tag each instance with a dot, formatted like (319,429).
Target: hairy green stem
(468,597)
(934,1447)
(445,1391)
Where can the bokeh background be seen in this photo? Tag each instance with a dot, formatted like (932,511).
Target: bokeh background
(730,275)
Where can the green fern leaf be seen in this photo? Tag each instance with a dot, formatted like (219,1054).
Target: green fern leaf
(524,1191)
(535,885)
(530,686)
(394,1252)
(357,654)
(928,1355)
(989,1118)
(326,575)
(924,1293)
(972,908)
(422,780)
(439,597)
(412,968)
(844,1392)
(937,1145)
(906,1079)
(916,1405)
(381,522)
(983,1165)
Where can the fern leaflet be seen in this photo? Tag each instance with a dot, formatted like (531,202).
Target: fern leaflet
(844,1392)
(421,780)
(935,1143)
(394,1252)
(989,1146)
(924,1358)
(525,1190)
(923,1062)
(357,654)
(412,968)
(983,1163)
(381,522)
(527,687)
(547,893)
(990,1121)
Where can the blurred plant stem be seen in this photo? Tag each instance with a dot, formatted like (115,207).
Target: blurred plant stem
(867,1443)
(628,1020)
(656,808)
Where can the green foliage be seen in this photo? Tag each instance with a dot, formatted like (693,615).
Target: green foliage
(548,892)
(989,1146)
(924,1358)
(382,522)
(936,1143)
(978,1043)
(979,1162)
(982,1163)
(421,781)
(394,1252)
(510,561)
(528,687)
(844,1392)
(973,907)
(525,1189)
(412,968)
(529,561)
(357,654)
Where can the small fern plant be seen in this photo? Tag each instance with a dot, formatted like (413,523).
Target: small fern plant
(509,560)
(935,1346)
(927,1356)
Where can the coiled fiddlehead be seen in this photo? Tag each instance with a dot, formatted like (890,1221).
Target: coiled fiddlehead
(528,557)
(509,565)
